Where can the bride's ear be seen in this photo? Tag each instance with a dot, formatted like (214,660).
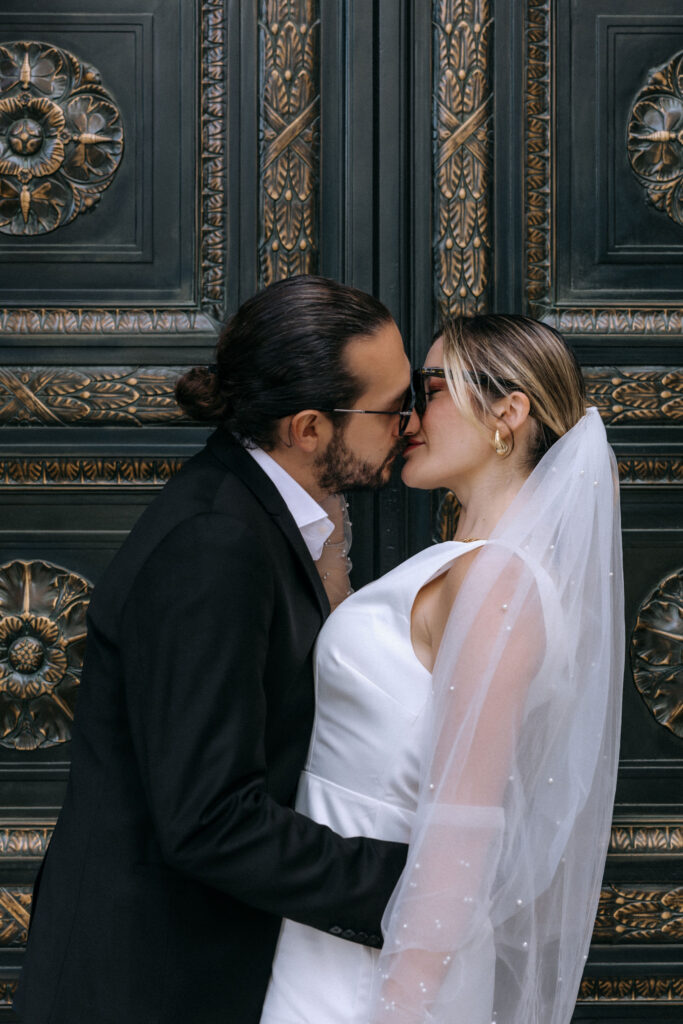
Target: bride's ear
(513,410)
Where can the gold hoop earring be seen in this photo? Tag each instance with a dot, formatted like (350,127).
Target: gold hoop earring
(501,446)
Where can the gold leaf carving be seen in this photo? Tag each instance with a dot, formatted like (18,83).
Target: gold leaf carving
(655,138)
(462,153)
(76,471)
(73,139)
(50,76)
(42,639)
(660,988)
(26,841)
(124,395)
(657,652)
(15,910)
(633,914)
(646,839)
(289,129)
(537,118)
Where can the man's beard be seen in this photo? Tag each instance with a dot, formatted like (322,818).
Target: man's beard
(338,469)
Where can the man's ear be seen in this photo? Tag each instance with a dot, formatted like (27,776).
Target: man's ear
(308,430)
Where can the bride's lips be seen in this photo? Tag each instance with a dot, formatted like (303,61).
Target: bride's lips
(411,447)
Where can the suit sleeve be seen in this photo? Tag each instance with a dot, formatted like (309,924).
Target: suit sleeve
(196,627)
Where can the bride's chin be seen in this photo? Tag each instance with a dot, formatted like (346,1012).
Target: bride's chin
(410,476)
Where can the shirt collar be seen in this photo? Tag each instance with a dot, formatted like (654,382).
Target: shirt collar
(315,526)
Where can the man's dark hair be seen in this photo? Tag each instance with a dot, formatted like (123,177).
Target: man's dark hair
(282,351)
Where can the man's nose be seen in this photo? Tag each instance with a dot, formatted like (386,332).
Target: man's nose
(413,424)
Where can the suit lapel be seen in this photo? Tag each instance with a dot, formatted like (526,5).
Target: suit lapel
(231,453)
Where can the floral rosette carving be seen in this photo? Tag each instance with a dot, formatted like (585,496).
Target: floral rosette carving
(655,138)
(42,640)
(657,652)
(61,138)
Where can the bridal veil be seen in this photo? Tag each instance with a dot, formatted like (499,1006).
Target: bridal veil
(513,819)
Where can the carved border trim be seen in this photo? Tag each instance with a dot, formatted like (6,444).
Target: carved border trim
(50,395)
(650,469)
(289,134)
(625,395)
(657,989)
(82,396)
(15,912)
(649,838)
(539,199)
(87,471)
(212,229)
(24,840)
(538,143)
(639,913)
(463,142)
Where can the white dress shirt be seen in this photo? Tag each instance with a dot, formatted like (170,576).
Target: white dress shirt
(315,526)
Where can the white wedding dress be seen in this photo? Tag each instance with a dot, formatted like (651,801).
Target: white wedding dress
(361,778)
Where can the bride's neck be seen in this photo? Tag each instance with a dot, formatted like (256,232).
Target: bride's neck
(483,502)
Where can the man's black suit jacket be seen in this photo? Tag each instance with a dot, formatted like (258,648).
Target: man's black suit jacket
(176,854)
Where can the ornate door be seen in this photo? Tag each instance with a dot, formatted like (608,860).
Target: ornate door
(159,160)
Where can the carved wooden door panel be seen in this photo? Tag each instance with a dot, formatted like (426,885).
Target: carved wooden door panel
(161,159)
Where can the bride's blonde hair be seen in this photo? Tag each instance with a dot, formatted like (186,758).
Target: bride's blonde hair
(488,356)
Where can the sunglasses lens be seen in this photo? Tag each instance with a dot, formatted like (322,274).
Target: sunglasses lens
(419,389)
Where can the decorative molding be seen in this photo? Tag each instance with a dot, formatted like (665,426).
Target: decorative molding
(655,138)
(7,992)
(42,642)
(639,320)
(24,840)
(657,653)
(634,395)
(650,469)
(658,989)
(213,236)
(628,913)
(648,839)
(211,216)
(15,912)
(103,321)
(87,471)
(289,32)
(539,201)
(65,396)
(446,518)
(61,138)
(538,143)
(145,395)
(463,121)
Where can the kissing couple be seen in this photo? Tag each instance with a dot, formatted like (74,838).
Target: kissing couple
(398,811)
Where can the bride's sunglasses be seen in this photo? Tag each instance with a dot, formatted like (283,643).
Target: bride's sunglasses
(423,373)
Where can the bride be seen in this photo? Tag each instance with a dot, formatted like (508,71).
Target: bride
(468,703)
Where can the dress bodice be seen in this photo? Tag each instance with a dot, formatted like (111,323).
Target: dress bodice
(373,698)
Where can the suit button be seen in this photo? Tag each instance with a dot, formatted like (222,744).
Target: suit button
(348,934)
(374,941)
(335,930)
(361,937)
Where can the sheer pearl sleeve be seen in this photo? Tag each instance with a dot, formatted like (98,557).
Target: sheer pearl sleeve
(334,564)
(439,916)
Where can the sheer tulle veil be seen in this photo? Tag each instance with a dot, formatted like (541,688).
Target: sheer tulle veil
(512,825)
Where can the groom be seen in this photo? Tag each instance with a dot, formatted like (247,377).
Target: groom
(176,853)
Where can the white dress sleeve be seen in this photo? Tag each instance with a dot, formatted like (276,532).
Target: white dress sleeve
(441,910)
(493,915)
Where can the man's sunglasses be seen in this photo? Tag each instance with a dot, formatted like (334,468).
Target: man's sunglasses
(404,413)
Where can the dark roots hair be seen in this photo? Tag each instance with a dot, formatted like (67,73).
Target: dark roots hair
(282,351)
